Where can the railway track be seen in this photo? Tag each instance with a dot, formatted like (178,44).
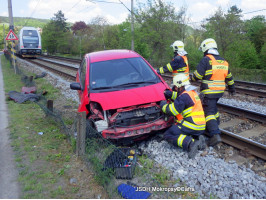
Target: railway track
(228,137)
(70,76)
(242,87)
(74,60)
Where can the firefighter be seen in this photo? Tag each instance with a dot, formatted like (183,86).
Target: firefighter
(185,104)
(179,63)
(214,72)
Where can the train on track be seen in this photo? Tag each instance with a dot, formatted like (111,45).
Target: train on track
(29,43)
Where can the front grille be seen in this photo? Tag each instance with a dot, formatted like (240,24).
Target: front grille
(137,116)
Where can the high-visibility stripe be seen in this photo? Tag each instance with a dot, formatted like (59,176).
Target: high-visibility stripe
(164,108)
(208,72)
(231,82)
(181,69)
(229,75)
(180,140)
(173,110)
(174,95)
(217,115)
(193,126)
(210,117)
(209,91)
(161,70)
(198,75)
(169,67)
(187,111)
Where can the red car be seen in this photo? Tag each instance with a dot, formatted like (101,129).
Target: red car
(121,92)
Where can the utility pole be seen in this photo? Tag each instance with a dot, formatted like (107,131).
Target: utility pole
(10,13)
(4,36)
(132,26)
(11,27)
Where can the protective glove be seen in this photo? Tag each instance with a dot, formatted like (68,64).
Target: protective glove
(168,94)
(162,103)
(158,71)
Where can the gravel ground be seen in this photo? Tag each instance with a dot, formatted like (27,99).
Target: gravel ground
(209,174)
(244,104)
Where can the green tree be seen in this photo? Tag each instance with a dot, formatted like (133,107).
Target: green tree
(49,37)
(263,57)
(55,35)
(225,28)
(256,31)
(242,54)
(160,26)
(60,21)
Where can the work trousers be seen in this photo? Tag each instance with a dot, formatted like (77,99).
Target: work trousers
(212,116)
(181,136)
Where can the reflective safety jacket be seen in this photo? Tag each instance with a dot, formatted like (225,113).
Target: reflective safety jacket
(178,65)
(214,73)
(188,110)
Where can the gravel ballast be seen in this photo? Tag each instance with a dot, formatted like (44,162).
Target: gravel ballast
(209,175)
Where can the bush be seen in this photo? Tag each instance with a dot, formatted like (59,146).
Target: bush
(242,54)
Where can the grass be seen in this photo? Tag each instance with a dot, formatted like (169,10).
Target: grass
(252,75)
(44,161)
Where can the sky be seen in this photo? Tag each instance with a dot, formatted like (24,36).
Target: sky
(115,12)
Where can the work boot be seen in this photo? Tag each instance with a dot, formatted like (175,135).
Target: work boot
(214,140)
(202,142)
(193,148)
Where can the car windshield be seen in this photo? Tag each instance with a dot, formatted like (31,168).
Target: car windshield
(120,74)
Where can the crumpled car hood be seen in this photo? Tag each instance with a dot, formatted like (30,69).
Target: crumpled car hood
(129,97)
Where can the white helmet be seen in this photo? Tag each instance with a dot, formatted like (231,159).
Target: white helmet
(178,46)
(180,80)
(208,44)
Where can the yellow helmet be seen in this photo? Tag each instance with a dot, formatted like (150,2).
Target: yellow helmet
(178,46)
(180,80)
(208,44)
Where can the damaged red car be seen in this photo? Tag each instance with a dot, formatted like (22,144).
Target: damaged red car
(121,93)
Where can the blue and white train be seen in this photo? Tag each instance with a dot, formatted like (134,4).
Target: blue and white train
(29,44)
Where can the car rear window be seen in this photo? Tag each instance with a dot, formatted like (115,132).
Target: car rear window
(129,72)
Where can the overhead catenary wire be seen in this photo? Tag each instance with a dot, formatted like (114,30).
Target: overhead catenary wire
(74,6)
(242,14)
(32,12)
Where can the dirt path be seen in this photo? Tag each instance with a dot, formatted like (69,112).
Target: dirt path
(9,187)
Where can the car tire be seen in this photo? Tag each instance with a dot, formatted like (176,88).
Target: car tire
(91,131)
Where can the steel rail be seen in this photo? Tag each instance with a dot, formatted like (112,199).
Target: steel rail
(244,144)
(256,116)
(73,78)
(75,60)
(251,84)
(60,64)
(240,90)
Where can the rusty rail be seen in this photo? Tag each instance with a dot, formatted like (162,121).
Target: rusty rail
(257,90)
(70,76)
(244,144)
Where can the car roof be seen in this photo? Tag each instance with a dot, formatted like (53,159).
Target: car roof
(110,55)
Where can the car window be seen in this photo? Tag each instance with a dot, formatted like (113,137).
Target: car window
(114,73)
(82,73)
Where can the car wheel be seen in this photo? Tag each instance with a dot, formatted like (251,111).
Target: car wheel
(91,131)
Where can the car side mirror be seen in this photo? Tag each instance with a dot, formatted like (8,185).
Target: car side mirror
(75,86)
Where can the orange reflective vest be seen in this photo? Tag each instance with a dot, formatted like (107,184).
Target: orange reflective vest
(195,112)
(219,71)
(186,71)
